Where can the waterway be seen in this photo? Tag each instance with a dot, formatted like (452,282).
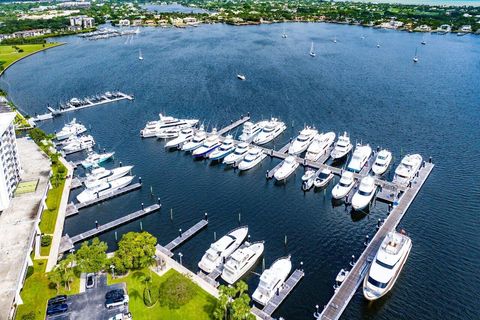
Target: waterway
(376,94)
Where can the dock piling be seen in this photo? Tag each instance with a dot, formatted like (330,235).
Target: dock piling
(180,232)
(96,224)
(214,236)
(141,225)
(352,261)
(206,216)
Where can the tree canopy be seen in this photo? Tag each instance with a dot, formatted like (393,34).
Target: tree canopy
(136,250)
(233,303)
(92,257)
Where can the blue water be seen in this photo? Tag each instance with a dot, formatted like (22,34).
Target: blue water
(376,94)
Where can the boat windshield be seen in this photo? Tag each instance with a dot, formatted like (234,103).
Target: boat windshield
(380,157)
(302,138)
(376,283)
(383,264)
(268,129)
(239,152)
(323,175)
(343,184)
(211,255)
(364,193)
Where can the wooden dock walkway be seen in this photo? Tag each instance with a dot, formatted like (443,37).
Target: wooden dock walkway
(212,277)
(184,236)
(67,242)
(73,209)
(105,100)
(347,289)
(233,125)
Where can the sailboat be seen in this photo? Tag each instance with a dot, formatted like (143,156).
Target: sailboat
(312,51)
(140,56)
(284,34)
(415,58)
(423,40)
(335,39)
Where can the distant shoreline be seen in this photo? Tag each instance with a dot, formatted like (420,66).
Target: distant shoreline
(422,2)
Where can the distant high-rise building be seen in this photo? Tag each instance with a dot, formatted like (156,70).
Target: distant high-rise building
(9,162)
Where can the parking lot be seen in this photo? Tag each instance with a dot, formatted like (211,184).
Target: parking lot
(90,305)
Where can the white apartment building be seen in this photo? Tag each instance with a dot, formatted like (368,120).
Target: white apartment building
(9,162)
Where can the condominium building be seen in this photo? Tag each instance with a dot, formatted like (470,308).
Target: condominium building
(9,162)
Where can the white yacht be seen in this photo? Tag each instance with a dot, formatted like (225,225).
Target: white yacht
(241,77)
(272,129)
(407,169)
(312,51)
(100,175)
(272,280)
(250,130)
(227,147)
(344,186)
(301,143)
(319,146)
(342,147)
(236,156)
(154,127)
(222,249)
(253,157)
(94,159)
(241,261)
(104,188)
(211,143)
(196,141)
(325,176)
(287,168)
(360,157)
(79,144)
(382,161)
(185,134)
(70,129)
(361,199)
(387,265)
(309,174)
(169,133)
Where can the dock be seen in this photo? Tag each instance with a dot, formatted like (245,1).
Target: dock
(212,277)
(183,237)
(233,125)
(337,304)
(67,242)
(73,209)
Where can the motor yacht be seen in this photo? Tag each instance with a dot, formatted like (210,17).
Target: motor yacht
(70,129)
(169,133)
(238,154)
(241,261)
(301,143)
(222,249)
(210,144)
(382,161)
(287,168)
(104,188)
(364,195)
(325,176)
(186,134)
(342,147)
(100,175)
(94,159)
(250,130)
(344,186)
(272,280)
(272,129)
(342,274)
(387,265)
(196,141)
(309,174)
(165,122)
(407,169)
(78,144)
(241,77)
(319,146)
(360,157)
(253,157)
(227,147)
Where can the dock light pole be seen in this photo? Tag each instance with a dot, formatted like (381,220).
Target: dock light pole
(316,314)
(352,262)
(301,265)
(112,267)
(96,224)
(180,232)
(206,216)
(180,255)
(366,240)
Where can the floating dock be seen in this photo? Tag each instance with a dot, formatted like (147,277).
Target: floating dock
(73,209)
(67,242)
(233,125)
(183,237)
(354,279)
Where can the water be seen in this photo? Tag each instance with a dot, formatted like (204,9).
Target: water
(377,94)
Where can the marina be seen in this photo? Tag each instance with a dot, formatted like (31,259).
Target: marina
(184,236)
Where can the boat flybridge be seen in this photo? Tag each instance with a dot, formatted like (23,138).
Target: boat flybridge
(301,143)
(319,146)
(76,144)
(382,161)
(387,265)
(210,144)
(70,129)
(272,129)
(227,147)
(165,123)
(308,179)
(236,156)
(196,141)
(94,159)
(250,130)
(342,147)
(100,175)
(222,249)
(241,261)
(344,186)
(364,195)
(104,188)
(407,169)
(325,176)
(360,157)
(253,157)
(185,134)
(272,280)
(288,166)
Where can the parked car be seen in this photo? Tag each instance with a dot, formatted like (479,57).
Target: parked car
(57,300)
(117,301)
(114,293)
(57,309)
(121,316)
(90,283)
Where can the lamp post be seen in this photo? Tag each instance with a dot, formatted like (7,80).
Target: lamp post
(180,255)
(112,267)
(316,314)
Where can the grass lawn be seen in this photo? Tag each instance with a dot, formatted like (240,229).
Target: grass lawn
(26,187)
(200,307)
(49,216)
(8,54)
(37,291)
(45,251)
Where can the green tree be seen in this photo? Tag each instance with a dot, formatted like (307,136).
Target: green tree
(37,135)
(136,250)
(92,257)
(176,291)
(233,303)
(66,270)
(55,277)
